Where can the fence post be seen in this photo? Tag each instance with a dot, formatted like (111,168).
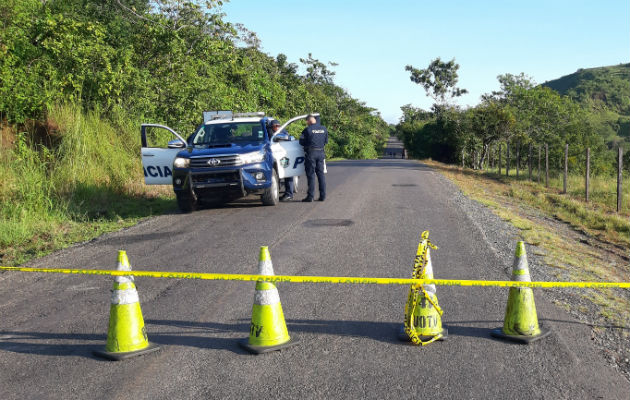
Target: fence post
(588,172)
(619,177)
(462,158)
(539,168)
(507,158)
(566,168)
(529,163)
(546,165)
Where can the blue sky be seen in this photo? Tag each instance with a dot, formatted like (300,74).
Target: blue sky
(372,41)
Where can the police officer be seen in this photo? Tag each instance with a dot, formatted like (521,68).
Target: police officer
(289,187)
(314,138)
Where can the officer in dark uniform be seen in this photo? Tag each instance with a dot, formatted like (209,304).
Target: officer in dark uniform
(314,138)
(289,187)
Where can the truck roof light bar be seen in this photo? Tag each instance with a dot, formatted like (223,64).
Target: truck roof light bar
(220,115)
(212,115)
(251,114)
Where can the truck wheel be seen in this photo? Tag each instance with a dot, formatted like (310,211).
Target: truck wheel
(270,195)
(186,203)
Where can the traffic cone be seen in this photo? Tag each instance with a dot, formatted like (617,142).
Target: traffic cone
(425,323)
(126,336)
(521,321)
(268,330)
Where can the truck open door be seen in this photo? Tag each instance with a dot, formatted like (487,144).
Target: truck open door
(289,153)
(157,157)
(290,157)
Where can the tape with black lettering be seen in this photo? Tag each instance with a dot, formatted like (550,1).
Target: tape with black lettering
(320,279)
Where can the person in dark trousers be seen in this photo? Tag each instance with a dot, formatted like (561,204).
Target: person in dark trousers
(289,187)
(314,138)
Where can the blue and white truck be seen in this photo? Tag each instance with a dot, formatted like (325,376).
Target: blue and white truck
(228,156)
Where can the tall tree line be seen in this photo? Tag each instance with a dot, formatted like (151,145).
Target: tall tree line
(164,61)
(518,115)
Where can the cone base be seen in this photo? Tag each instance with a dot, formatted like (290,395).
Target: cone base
(498,333)
(244,343)
(403,337)
(123,355)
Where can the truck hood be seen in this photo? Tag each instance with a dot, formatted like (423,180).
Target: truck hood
(229,148)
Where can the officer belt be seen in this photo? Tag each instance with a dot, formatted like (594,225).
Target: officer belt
(314,148)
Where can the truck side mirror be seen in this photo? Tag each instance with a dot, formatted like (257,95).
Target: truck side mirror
(176,144)
(281,137)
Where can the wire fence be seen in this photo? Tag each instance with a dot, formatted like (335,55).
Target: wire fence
(535,163)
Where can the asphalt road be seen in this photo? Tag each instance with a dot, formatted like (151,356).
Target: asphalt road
(394,148)
(368,226)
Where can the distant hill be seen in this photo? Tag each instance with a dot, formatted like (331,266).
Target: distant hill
(601,88)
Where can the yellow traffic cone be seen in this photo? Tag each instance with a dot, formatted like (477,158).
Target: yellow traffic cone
(424,324)
(126,336)
(521,321)
(268,330)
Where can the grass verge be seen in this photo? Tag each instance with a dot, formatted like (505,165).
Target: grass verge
(70,180)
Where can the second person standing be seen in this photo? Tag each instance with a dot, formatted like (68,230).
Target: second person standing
(314,137)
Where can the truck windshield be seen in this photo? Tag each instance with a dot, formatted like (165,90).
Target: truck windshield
(225,133)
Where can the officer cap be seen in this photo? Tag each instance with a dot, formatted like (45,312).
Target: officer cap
(274,122)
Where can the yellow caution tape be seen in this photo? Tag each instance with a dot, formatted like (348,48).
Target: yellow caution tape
(321,279)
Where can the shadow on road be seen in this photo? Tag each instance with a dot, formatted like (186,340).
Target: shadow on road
(39,342)
(469,331)
(201,328)
(191,334)
(203,334)
(542,321)
(381,331)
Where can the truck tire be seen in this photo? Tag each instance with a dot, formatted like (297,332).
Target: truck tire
(186,203)
(270,195)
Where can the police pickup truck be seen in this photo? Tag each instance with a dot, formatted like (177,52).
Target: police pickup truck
(228,156)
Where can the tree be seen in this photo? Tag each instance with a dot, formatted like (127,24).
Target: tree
(491,122)
(164,61)
(439,80)
(411,113)
(317,71)
(510,85)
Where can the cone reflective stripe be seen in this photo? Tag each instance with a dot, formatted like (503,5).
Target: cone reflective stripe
(126,336)
(268,330)
(520,270)
(425,323)
(521,320)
